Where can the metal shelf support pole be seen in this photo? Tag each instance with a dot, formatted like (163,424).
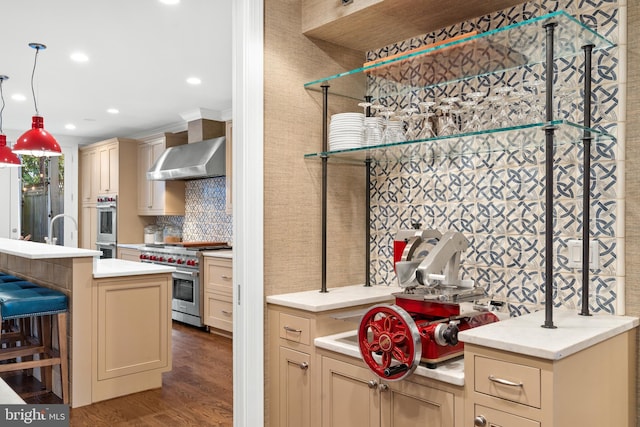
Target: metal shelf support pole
(549,136)
(586,180)
(325,119)
(367,222)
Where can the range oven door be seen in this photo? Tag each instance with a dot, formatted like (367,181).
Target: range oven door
(186,304)
(106,222)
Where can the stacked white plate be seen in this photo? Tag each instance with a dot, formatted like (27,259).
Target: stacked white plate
(346,131)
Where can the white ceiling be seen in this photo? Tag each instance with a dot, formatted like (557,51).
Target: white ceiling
(140,54)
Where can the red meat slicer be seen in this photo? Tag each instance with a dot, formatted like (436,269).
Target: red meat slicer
(423,324)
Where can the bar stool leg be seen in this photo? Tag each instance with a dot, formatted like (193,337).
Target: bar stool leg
(44,335)
(64,360)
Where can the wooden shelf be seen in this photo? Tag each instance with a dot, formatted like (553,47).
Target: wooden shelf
(368,24)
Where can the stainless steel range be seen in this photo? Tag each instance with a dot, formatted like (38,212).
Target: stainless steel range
(187,304)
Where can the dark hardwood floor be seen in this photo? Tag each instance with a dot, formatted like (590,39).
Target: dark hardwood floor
(197,392)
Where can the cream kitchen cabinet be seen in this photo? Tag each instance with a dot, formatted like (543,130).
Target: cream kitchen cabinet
(88,226)
(587,388)
(218,294)
(158,197)
(131,330)
(294,365)
(109,168)
(353,396)
(88,178)
(129,254)
(108,162)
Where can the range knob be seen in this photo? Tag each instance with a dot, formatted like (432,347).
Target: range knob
(153,258)
(161,259)
(180,261)
(191,262)
(143,256)
(171,260)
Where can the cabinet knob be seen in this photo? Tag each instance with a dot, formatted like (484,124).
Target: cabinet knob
(304,366)
(372,384)
(383,387)
(480,421)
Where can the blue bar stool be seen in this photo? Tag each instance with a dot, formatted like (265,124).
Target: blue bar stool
(27,300)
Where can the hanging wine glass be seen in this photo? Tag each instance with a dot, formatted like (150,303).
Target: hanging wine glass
(427,130)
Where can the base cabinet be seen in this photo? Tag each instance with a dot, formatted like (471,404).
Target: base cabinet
(295,390)
(294,366)
(353,396)
(129,254)
(587,388)
(218,294)
(131,332)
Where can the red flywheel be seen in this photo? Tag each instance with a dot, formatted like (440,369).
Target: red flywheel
(390,342)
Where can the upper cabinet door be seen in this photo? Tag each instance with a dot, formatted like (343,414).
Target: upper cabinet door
(108,163)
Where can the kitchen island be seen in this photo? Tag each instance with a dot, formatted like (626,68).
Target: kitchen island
(120,316)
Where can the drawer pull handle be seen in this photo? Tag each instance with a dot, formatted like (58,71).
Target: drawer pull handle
(372,383)
(290,329)
(304,366)
(504,382)
(226,313)
(224,276)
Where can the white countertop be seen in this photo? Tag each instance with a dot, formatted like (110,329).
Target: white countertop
(113,267)
(347,296)
(222,253)
(8,396)
(451,372)
(34,250)
(524,334)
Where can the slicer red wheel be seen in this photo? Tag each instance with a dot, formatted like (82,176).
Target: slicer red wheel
(389,342)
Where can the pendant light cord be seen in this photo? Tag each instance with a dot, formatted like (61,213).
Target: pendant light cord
(33,72)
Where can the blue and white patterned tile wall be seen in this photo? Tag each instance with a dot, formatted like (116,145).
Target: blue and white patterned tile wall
(497,199)
(205,217)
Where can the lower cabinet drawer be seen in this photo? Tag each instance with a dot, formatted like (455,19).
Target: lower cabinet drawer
(219,311)
(294,328)
(509,381)
(488,417)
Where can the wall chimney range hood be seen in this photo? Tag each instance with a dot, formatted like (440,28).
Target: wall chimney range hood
(197,160)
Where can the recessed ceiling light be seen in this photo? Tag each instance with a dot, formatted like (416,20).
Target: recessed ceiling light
(194,81)
(79,57)
(70,126)
(170,1)
(113,111)
(18,97)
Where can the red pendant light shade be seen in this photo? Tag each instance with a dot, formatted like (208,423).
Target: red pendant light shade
(37,141)
(7,157)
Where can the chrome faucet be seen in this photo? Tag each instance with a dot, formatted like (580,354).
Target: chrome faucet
(50,240)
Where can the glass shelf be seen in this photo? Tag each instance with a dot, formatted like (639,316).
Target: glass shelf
(514,138)
(489,52)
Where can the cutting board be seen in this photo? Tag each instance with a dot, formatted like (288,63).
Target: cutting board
(198,244)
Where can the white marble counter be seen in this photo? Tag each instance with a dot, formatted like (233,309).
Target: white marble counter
(451,372)
(8,396)
(113,267)
(222,253)
(524,334)
(34,250)
(347,296)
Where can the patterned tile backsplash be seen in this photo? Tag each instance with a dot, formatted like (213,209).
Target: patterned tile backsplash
(205,217)
(497,199)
